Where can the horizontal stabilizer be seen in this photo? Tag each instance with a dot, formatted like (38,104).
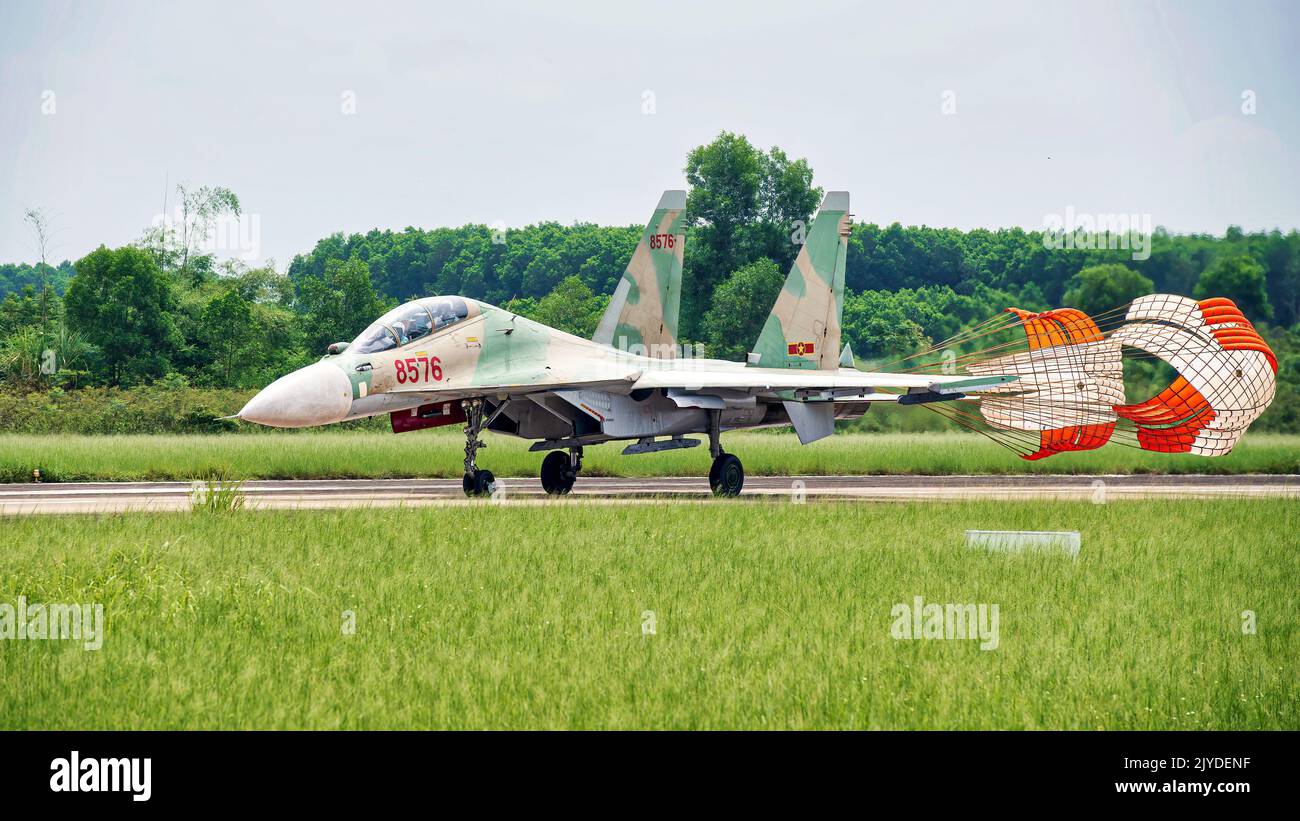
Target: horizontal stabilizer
(977,383)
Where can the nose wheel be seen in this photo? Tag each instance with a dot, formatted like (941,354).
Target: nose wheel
(475,482)
(560,471)
(479,483)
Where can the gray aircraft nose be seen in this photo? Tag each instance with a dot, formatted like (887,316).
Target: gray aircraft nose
(315,395)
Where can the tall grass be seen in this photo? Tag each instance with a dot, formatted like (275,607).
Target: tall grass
(217,494)
(770,616)
(65,458)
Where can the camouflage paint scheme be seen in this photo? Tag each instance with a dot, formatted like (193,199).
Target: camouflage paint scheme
(642,313)
(626,382)
(446,359)
(811,303)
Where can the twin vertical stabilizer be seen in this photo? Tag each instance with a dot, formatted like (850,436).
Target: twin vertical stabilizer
(803,330)
(642,313)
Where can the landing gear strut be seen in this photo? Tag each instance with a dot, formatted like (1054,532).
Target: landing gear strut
(560,471)
(475,482)
(727,476)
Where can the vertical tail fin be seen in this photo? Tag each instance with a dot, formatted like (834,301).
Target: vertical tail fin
(803,330)
(643,310)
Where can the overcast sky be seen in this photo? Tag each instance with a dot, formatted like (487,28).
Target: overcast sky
(487,112)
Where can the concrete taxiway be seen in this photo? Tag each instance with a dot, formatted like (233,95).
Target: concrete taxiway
(114,497)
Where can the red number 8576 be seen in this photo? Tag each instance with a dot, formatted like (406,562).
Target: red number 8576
(408,370)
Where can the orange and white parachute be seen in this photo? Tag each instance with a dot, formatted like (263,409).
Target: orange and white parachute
(1069,383)
(1069,392)
(1227,374)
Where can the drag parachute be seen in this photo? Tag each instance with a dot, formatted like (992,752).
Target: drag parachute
(1227,374)
(1069,392)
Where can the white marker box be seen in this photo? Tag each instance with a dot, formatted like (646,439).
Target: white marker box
(1015,541)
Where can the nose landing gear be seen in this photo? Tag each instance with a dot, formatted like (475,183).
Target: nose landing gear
(475,482)
(560,471)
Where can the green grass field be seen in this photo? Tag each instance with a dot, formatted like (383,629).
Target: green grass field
(439,453)
(778,616)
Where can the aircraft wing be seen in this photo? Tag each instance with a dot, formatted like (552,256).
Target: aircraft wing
(761,380)
(809,395)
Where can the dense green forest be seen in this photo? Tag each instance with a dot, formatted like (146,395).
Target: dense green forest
(17,276)
(160,313)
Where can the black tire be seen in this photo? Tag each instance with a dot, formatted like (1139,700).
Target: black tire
(467,484)
(557,475)
(727,476)
(484,483)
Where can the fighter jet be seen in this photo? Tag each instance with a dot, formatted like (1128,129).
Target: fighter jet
(446,360)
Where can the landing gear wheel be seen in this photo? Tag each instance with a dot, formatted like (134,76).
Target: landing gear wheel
(476,482)
(726,477)
(558,474)
(483,483)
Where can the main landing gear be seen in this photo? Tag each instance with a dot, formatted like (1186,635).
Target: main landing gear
(560,467)
(560,471)
(475,482)
(727,476)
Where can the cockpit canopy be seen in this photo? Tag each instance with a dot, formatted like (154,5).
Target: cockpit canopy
(409,322)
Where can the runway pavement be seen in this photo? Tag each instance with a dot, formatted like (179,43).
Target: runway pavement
(111,497)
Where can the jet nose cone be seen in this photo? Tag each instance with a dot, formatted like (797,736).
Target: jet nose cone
(315,395)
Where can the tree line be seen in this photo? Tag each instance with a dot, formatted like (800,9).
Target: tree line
(161,310)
